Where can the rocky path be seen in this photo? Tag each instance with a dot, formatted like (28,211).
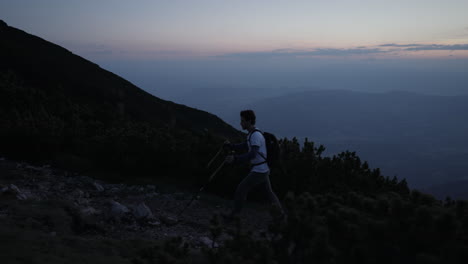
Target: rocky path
(122,211)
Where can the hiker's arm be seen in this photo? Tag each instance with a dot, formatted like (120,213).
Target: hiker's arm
(240,147)
(237,147)
(247,156)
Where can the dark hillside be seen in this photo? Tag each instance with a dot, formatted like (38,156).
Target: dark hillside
(51,68)
(57,106)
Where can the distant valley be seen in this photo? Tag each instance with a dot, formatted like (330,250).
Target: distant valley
(418,137)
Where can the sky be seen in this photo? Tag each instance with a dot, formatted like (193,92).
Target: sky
(273,38)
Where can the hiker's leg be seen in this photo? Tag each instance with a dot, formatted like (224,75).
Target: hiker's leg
(271,195)
(252,179)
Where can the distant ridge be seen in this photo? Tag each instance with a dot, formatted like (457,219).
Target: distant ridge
(353,114)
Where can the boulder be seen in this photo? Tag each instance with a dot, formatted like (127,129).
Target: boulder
(43,187)
(151,188)
(117,210)
(21,196)
(168,220)
(89,211)
(82,201)
(154,223)
(179,196)
(59,187)
(113,190)
(207,242)
(15,191)
(141,211)
(77,193)
(151,195)
(98,187)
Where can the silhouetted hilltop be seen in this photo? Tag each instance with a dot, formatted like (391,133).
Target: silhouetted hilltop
(51,68)
(58,106)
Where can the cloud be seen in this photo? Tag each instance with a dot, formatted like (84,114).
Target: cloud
(282,53)
(389,48)
(439,47)
(419,47)
(400,45)
(89,49)
(345,52)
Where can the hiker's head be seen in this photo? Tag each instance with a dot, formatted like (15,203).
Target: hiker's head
(247,118)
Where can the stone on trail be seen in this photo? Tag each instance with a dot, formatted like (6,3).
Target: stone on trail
(142,211)
(77,193)
(208,242)
(89,211)
(117,210)
(154,223)
(168,220)
(98,187)
(14,190)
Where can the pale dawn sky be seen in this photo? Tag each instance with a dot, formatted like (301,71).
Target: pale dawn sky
(170,47)
(175,28)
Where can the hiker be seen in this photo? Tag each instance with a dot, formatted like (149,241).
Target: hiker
(257,156)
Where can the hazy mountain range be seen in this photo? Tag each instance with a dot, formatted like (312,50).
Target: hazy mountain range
(418,137)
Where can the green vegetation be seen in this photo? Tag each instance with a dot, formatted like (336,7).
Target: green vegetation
(340,211)
(350,228)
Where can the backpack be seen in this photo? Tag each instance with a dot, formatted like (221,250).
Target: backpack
(273,149)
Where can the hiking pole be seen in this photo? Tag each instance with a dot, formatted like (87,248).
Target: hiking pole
(202,188)
(215,156)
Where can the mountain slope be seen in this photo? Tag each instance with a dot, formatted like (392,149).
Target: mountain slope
(58,106)
(50,67)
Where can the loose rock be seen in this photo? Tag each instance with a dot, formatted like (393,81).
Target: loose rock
(14,190)
(118,210)
(77,193)
(98,187)
(142,211)
(208,242)
(89,211)
(168,220)
(154,223)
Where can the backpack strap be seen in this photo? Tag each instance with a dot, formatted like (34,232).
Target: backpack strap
(261,155)
(255,130)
